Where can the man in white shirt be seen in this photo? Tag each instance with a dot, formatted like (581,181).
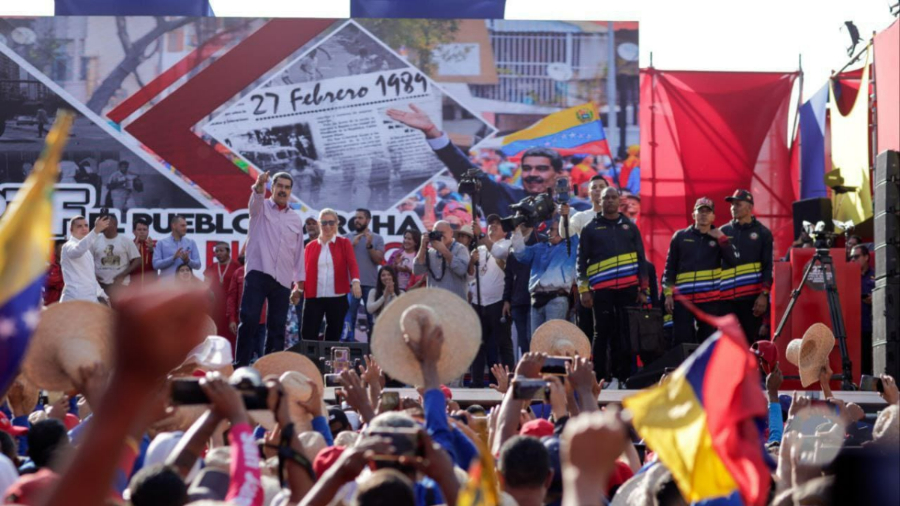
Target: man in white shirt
(77,262)
(115,257)
(496,344)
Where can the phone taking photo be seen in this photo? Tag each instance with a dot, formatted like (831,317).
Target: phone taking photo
(531,389)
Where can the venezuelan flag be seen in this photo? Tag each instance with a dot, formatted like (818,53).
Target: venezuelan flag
(704,421)
(25,248)
(483,487)
(576,130)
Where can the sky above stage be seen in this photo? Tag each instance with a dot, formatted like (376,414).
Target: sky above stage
(763,35)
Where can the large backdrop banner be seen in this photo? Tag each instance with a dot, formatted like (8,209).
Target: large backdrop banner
(705,134)
(181,113)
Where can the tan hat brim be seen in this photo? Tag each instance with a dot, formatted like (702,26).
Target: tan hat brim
(558,337)
(457,319)
(815,349)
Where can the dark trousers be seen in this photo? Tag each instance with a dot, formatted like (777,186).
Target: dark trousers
(686,328)
(612,342)
(584,317)
(334,309)
(299,310)
(743,309)
(259,289)
(521,316)
(491,330)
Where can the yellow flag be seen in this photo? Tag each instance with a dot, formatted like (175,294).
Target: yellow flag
(483,488)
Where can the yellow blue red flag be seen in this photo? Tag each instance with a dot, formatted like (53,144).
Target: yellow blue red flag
(25,248)
(483,488)
(576,130)
(704,422)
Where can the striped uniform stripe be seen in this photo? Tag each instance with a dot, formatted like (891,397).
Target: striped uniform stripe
(615,272)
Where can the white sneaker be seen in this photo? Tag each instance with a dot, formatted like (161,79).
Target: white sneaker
(613,384)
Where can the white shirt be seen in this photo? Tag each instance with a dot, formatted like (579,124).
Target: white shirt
(500,249)
(325,276)
(577,222)
(77,264)
(492,279)
(112,257)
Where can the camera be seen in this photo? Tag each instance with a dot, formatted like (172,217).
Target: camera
(555,365)
(245,380)
(822,238)
(529,212)
(435,235)
(470,182)
(561,191)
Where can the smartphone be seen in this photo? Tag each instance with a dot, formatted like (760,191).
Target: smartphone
(187,391)
(333,380)
(104,212)
(531,389)
(390,401)
(555,365)
(406,442)
(869,383)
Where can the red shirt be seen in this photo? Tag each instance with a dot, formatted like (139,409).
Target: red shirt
(145,273)
(54,285)
(345,266)
(219,280)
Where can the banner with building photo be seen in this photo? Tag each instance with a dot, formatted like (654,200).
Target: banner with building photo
(179,115)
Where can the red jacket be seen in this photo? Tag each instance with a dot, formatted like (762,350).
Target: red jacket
(345,267)
(235,293)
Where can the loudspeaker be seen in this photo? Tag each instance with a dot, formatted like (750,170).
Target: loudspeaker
(886,326)
(651,373)
(309,349)
(813,211)
(887,199)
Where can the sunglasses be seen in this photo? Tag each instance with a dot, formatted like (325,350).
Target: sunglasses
(328,223)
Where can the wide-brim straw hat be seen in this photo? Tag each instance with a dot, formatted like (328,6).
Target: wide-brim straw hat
(460,324)
(561,338)
(69,335)
(810,354)
(278,364)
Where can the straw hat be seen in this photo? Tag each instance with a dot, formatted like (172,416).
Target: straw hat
(292,369)
(213,354)
(560,338)
(30,393)
(810,354)
(69,335)
(462,334)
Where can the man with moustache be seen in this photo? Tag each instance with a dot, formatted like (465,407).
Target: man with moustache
(274,263)
(540,166)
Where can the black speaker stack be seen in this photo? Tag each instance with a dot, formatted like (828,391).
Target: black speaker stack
(320,351)
(886,296)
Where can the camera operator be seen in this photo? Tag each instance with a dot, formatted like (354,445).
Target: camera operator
(446,261)
(612,275)
(744,288)
(540,166)
(552,273)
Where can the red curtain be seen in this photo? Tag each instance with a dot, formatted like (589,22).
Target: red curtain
(707,134)
(887,87)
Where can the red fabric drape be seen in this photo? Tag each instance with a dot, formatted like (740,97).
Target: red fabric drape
(887,87)
(707,134)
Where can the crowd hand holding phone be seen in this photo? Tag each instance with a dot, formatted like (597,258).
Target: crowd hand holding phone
(101,224)
(225,401)
(580,373)
(891,393)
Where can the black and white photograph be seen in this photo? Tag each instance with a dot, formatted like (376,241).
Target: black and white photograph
(348,52)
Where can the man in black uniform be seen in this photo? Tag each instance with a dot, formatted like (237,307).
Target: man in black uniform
(693,268)
(745,286)
(612,275)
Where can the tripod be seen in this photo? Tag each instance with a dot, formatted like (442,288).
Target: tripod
(823,258)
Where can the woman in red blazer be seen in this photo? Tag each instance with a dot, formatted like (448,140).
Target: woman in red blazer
(331,273)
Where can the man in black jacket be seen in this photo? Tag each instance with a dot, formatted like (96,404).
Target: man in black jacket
(745,287)
(693,268)
(612,275)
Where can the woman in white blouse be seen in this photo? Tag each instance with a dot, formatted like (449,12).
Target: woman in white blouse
(386,290)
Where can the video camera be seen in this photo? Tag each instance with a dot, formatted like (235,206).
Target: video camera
(822,238)
(470,182)
(529,212)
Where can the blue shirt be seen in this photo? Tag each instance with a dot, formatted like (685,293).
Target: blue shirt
(868,284)
(461,450)
(164,255)
(551,267)
(133,8)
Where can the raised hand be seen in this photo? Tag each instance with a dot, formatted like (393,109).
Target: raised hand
(261,180)
(530,365)
(891,393)
(501,374)
(313,405)
(589,447)
(101,224)
(415,118)
(370,372)
(225,401)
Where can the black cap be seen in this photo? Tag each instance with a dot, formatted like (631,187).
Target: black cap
(744,195)
(491,218)
(336,414)
(705,202)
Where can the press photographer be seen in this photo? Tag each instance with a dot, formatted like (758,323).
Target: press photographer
(445,260)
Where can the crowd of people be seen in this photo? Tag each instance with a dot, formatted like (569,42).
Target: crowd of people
(112,439)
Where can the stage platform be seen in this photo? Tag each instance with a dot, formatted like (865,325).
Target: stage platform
(869,401)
